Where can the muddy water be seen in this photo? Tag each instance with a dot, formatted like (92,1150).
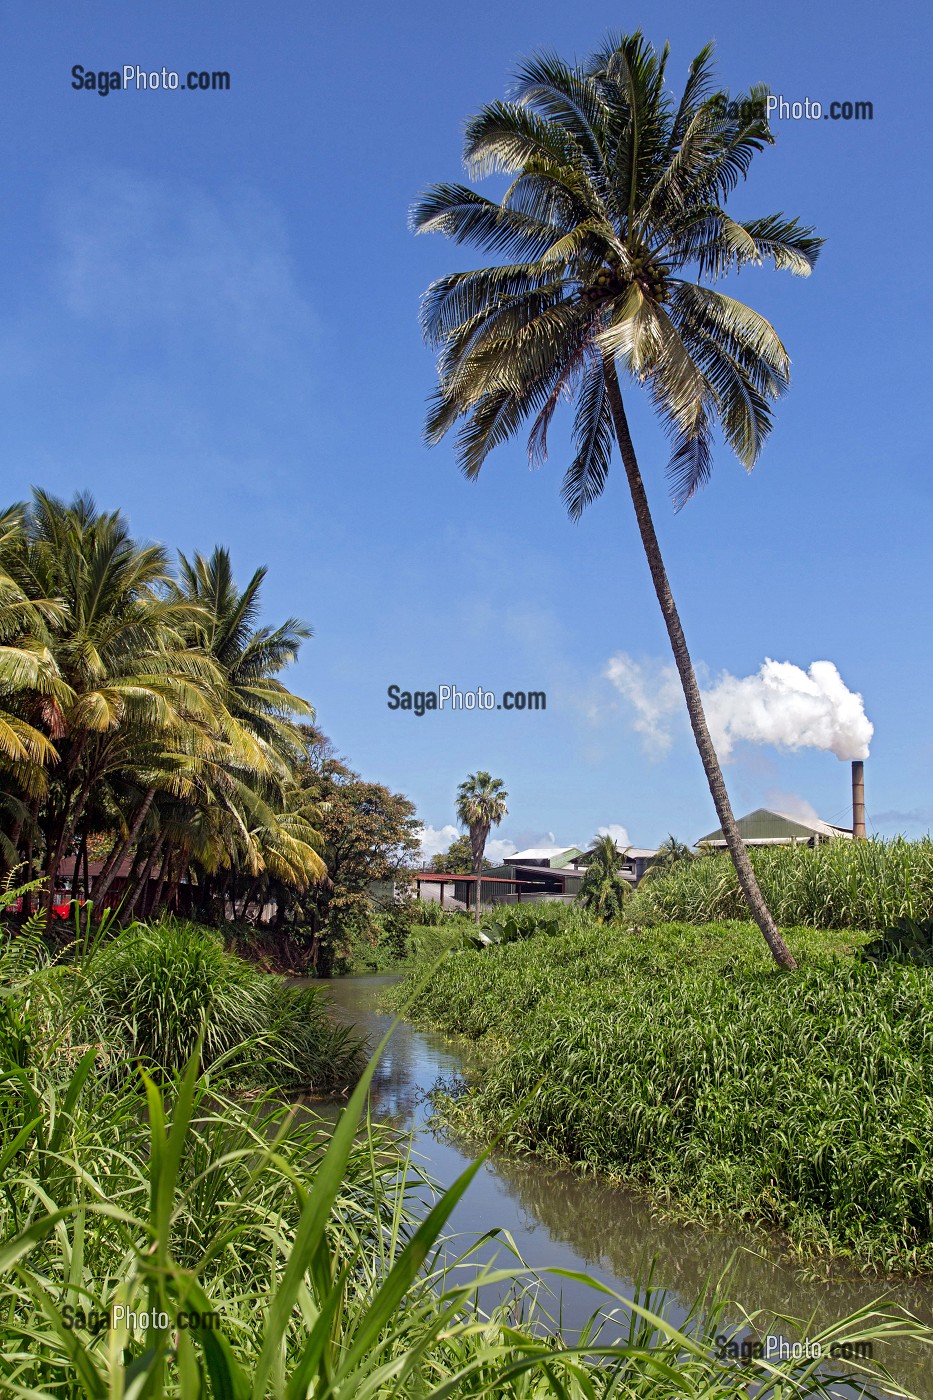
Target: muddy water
(558,1220)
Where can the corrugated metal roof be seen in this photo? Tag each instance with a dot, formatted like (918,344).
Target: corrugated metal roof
(420,876)
(548,853)
(774,827)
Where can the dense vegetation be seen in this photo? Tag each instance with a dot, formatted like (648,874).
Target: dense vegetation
(311,1255)
(150,751)
(803,1103)
(841,884)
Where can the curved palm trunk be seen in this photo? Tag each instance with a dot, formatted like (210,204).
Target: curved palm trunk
(141,886)
(108,874)
(743,868)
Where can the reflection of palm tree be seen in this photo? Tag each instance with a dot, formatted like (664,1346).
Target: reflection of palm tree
(481,800)
(612,226)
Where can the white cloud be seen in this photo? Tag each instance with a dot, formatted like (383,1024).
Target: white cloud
(434,840)
(618,833)
(499,848)
(652,690)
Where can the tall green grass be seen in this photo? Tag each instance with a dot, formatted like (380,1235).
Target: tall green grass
(675,1058)
(841,884)
(313,1246)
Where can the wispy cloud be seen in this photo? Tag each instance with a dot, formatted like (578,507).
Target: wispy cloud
(792,805)
(166,260)
(652,691)
(898,818)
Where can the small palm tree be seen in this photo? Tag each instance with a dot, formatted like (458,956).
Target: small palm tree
(603,890)
(671,852)
(481,800)
(612,229)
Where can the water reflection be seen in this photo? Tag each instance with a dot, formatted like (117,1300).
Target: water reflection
(559,1220)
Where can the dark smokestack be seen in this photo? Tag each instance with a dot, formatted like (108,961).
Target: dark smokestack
(858,800)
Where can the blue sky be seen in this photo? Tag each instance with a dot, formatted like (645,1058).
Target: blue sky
(210,321)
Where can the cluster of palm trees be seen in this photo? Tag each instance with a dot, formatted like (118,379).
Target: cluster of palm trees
(142,718)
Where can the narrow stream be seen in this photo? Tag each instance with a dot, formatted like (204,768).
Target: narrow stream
(557,1219)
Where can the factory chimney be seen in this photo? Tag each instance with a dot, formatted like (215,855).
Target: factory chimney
(858,800)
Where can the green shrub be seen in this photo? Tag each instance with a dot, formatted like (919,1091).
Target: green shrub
(510,923)
(910,940)
(147,992)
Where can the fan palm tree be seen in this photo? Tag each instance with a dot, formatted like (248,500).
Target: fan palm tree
(603,890)
(481,800)
(613,229)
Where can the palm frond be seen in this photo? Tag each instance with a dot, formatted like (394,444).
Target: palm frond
(585,478)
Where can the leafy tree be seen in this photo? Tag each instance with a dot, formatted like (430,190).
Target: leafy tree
(612,229)
(368,833)
(481,800)
(130,693)
(603,890)
(458,858)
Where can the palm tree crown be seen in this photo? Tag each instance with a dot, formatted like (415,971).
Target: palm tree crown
(615,226)
(481,800)
(603,890)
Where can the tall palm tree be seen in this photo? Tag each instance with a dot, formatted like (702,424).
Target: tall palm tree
(481,800)
(613,228)
(249,657)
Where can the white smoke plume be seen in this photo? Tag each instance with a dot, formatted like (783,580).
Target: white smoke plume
(789,708)
(781,705)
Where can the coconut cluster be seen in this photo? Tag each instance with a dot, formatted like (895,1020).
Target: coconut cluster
(610,281)
(650,276)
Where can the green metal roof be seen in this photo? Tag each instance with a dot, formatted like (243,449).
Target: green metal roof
(764,825)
